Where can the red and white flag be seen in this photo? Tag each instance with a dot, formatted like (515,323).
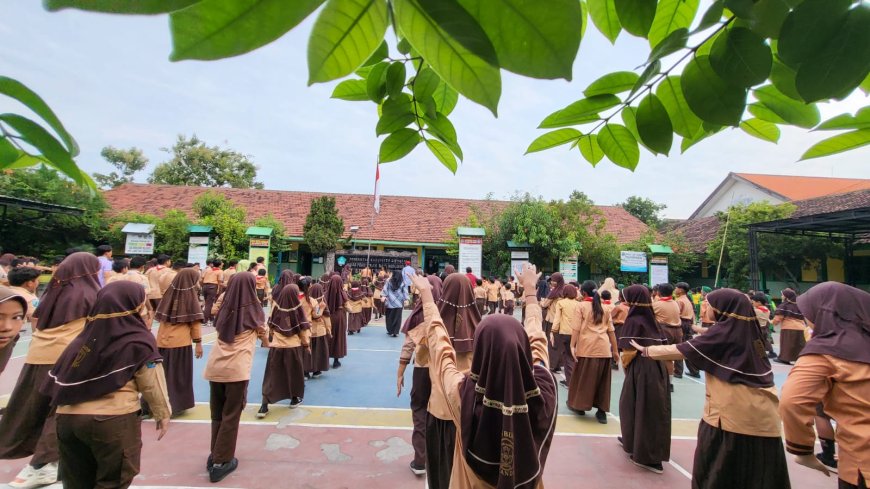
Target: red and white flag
(377,190)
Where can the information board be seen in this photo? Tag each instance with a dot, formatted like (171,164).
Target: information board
(471,254)
(568,269)
(139,244)
(197,250)
(658,274)
(375,261)
(632,261)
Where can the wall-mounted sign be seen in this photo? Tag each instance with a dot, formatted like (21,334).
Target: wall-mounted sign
(139,244)
(471,254)
(632,261)
(568,269)
(259,242)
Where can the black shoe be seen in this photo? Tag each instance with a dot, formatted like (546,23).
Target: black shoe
(336,363)
(418,469)
(218,472)
(680,376)
(614,366)
(654,468)
(619,440)
(563,382)
(264,410)
(209,462)
(350,333)
(696,375)
(778,360)
(829,463)
(671,387)
(295,402)
(316,374)
(771,355)
(601,416)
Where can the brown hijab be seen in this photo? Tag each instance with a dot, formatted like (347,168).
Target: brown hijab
(459,311)
(733,348)
(180,303)
(508,407)
(356,291)
(640,324)
(287,277)
(556,292)
(416,316)
(113,346)
(71,292)
(240,309)
(789,307)
(335,294)
(449,269)
(288,317)
(841,318)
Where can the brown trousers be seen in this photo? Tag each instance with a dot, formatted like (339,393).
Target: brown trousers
(209,294)
(421,388)
(99,451)
(563,346)
(675,337)
(227,402)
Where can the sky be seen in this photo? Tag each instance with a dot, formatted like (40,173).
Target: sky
(110,80)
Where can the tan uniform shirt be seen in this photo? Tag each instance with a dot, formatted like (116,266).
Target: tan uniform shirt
(150,382)
(415,347)
(480,292)
(46,345)
(507,295)
(320,324)
(763,318)
(281,341)
(492,292)
(566,317)
(139,278)
(178,335)
(591,339)
(667,312)
(354,307)
(687,309)
(231,362)
(213,276)
(153,274)
(165,280)
(789,323)
(619,313)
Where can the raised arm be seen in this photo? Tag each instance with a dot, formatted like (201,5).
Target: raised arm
(528,278)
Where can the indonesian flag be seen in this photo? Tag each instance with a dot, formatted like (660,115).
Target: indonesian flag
(377,191)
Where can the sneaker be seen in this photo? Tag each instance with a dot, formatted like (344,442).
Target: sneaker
(316,374)
(563,382)
(336,363)
(654,468)
(418,469)
(601,416)
(828,462)
(25,478)
(264,410)
(218,472)
(295,402)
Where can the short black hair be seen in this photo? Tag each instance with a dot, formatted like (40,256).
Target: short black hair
(262,272)
(103,249)
(682,285)
(161,259)
(217,263)
(467,269)
(260,259)
(252,266)
(666,290)
(21,275)
(507,286)
(759,297)
(179,264)
(137,262)
(605,295)
(233,263)
(479,282)
(17,262)
(119,265)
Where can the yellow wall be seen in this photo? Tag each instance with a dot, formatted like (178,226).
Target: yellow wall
(836,271)
(810,271)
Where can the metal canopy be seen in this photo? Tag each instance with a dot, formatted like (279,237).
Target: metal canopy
(138,228)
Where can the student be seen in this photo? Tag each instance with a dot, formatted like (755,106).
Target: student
(335,300)
(480,296)
(668,318)
(239,321)
(687,320)
(507,297)
(286,278)
(232,269)
(212,282)
(321,328)
(96,385)
(120,268)
(263,290)
(566,317)
(5,266)
(492,295)
(104,255)
(499,286)
(556,283)
(504,410)
(367,301)
(24,282)
(395,296)
(739,437)
(13,311)
(354,307)
(415,348)
(168,275)
(762,313)
(260,264)
(28,427)
(378,297)
(791,322)
(290,333)
(180,318)
(645,404)
(472,277)
(617,315)
(593,344)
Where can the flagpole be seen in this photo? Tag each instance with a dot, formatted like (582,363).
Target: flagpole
(376,204)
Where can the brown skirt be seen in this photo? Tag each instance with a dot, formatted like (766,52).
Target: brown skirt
(367,315)
(338,348)
(440,445)
(555,359)
(26,414)
(589,385)
(284,377)
(178,366)
(645,411)
(791,342)
(318,359)
(726,460)
(355,322)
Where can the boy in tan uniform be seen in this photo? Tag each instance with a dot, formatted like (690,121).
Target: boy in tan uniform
(480,296)
(667,314)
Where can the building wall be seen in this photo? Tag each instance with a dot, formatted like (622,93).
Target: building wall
(735,192)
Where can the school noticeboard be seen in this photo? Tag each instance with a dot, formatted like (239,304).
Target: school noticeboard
(139,244)
(518,259)
(197,251)
(632,261)
(471,254)
(568,269)
(658,274)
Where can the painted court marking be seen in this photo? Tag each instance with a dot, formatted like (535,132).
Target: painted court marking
(680,469)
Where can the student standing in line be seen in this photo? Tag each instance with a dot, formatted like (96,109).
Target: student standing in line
(321,328)
(239,321)
(153,274)
(762,313)
(24,281)
(263,290)
(833,368)
(104,255)
(286,278)
(508,300)
(291,332)
(29,425)
(618,315)
(378,297)
(789,318)
(555,294)
(212,282)
(480,296)
(336,297)
(395,295)
(739,437)
(96,384)
(687,320)
(354,306)
(566,317)
(13,311)
(492,294)
(668,318)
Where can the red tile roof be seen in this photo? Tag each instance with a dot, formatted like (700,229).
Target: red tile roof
(408,219)
(801,188)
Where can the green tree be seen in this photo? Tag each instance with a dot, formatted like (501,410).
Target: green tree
(193,163)
(280,241)
(227,219)
(323,226)
(170,232)
(127,161)
(647,210)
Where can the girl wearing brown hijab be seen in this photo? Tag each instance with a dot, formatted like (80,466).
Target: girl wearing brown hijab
(504,410)
(321,329)
(833,369)
(378,297)
(240,320)
(96,384)
(335,300)
(180,320)
(739,437)
(13,308)
(556,283)
(287,277)
(354,306)
(645,403)
(291,332)
(28,427)
(792,326)
(368,301)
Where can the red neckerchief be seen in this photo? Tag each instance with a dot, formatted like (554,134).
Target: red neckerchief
(215,269)
(301,295)
(763,309)
(665,299)
(587,299)
(605,302)
(159,267)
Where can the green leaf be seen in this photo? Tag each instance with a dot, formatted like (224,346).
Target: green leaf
(741,58)
(865,85)
(403,46)
(603,13)
(442,152)
(398,144)
(789,109)
(707,46)
(710,97)
(379,55)
(396,113)
(670,16)
(838,144)
(629,118)
(712,16)
(353,90)
(768,16)
(36,136)
(782,78)
(420,21)
(808,28)
(654,125)
(553,139)
(344,36)
(395,81)
(674,42)
(741,8)
(763,130)
(17,90)
(427,106)
(441,127)
(619,146)
(581,111)
(584,16)
(445,98)
(688,142)
(670,93)
(8,153)
(612,83)
(842,64)
(651,70)
(425,83)
(636,16)
(590,149)
(376,82)
(138,7)
(860,120)
(539,39)
(215,29)
(760,111)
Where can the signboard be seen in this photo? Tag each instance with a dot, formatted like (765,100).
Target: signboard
(197,250)
(632,261)
(471,254)
(357,261)
(658,274)
(139,244)
(568,269)
(259,242)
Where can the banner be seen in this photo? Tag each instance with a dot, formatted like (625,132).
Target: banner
(632,261)
(357,261)
(658,274)
(568,269)
(471,254)
(139,244)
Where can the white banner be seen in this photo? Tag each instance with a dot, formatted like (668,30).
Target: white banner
(632,261)
(471,254)
(139,244)
(658,274)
